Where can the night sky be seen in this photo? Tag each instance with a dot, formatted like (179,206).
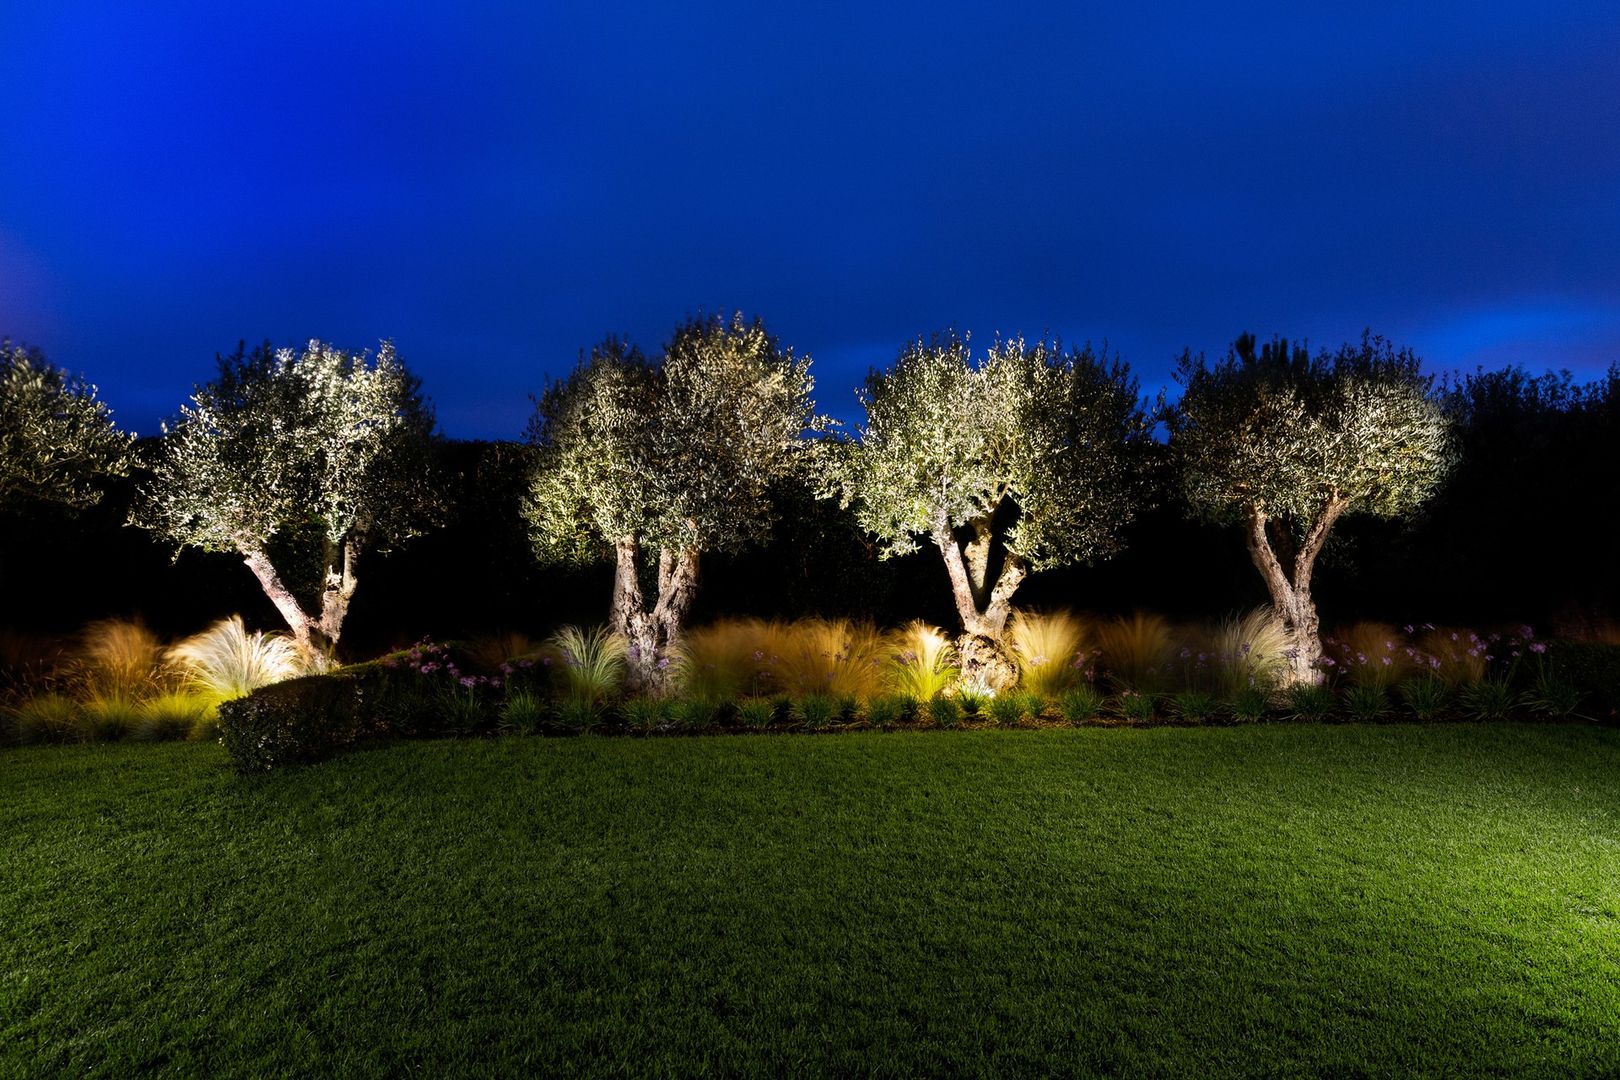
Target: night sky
(496,187)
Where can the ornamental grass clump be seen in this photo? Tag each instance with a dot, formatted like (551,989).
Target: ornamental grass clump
(109,717)
(730,658)
(1425,696)
(1250,650)
(1366,702)
(118,660)
(1049,649)
(523,711)
(1137,653)
(1193,706)
(1080,705)
(922,662)
(178,714)
(1312,702)
(835,657)
(226,661)
(1455,656)
(48,717)
(1371,654)
(593,664)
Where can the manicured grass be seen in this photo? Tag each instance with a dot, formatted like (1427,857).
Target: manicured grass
(1279,899)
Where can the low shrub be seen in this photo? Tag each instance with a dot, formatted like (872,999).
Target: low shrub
(1491,698)
(944,712)
(110,717)
(1366,702)
(1193,706)
(757,713)
(1313,702)
(523,712)
(815,712)
(299,721)
(1080,705)
(1134,707)
(1551,696)
(1249,704)
(889,710)
(48,718)
(646,715)
(178,714)
(1594,666)
(1425,696)
(1006,710)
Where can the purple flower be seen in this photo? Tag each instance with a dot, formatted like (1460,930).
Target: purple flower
(1538,647)
(1526,632)
(1386,661)
(1408,628)
(469,681)
(759,655)
(663,662)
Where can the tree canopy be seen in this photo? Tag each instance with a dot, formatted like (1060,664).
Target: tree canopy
(672,457)
(1284,443)
(287,448)
(58,442)
(1031,445)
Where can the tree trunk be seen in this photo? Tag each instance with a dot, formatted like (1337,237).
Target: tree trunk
(305,631)
(983,605)
(1291,592)
(652,634)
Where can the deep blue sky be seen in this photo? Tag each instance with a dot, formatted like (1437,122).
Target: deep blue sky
(495,187)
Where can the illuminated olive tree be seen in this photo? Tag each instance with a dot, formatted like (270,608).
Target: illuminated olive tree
(318,455)
(1284,444)
(57,440)
(1022,461)
(659,462)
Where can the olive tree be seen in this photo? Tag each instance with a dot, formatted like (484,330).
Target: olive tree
(313,455)
(1284,444)
(659,461)
(1022,460)
(57,439)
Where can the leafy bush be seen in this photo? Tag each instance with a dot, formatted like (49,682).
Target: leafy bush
(298,721)
(1552,696)
(696,714)
(225,661)
(1137,652)
(1080,705)
(1048,649)
(1309,701)
(1425,696)
(923,664)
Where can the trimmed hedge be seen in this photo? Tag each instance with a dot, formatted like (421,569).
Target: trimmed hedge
(299,721)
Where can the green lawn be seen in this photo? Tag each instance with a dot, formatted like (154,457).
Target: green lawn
(1280,899)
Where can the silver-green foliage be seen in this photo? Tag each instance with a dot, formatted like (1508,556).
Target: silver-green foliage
(949,438)
(287,437)
(57,439)
(677,453)
(321,450)
(1284,433)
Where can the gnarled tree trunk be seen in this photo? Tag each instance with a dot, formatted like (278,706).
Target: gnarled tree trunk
(653,633)
(1287,573)
(316,635)
(983,603)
